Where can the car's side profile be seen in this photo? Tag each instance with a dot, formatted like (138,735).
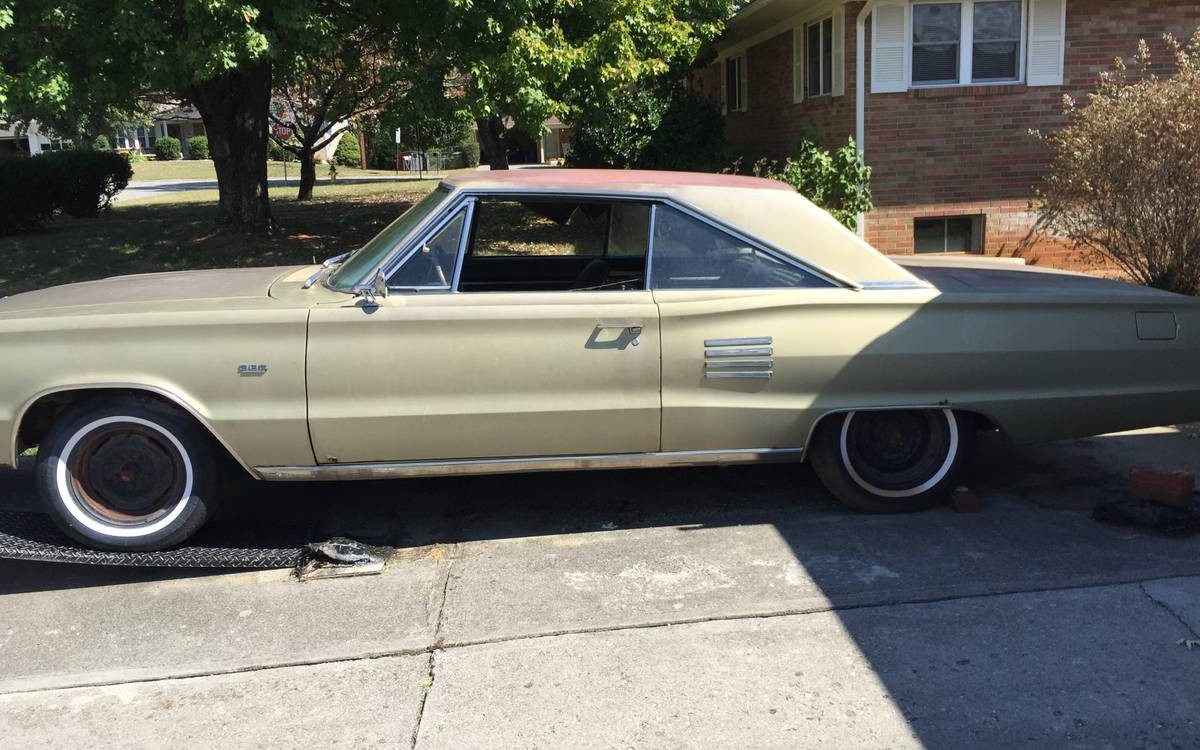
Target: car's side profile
(563,319)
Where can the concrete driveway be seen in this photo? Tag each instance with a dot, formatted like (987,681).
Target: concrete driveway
(662,609)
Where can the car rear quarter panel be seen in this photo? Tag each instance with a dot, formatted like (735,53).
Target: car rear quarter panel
(1041,368)
(193,354)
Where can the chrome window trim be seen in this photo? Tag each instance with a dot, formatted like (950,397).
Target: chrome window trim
(466,207)
(650,246)
(510,465)
(458,196)
(877,286)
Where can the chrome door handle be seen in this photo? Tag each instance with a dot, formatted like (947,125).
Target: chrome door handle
(634,329)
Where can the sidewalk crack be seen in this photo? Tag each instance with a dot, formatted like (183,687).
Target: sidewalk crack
(431,663)
(1187,625)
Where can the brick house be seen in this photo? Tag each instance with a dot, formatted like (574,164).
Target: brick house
(942,108)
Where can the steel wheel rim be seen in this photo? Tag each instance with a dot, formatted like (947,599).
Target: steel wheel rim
(905,463)
(154,502)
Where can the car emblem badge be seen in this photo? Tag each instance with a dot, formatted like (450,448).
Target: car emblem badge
(251,371)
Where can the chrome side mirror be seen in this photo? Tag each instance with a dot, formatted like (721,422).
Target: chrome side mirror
(377,290)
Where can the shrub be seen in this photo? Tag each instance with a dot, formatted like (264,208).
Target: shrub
(167,148)
(81,183)
(198,147)
(665,127)
(276,152)
(86,181)
(347,154)
(1124,170)
(28,193)
(837,181)
(134,156)
(101,143)
(468,149)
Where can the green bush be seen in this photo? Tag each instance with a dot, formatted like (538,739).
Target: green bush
(198,147)
(347,153)
(276,152)
(28,193)
(133,156)
(469,148)
(837,181)
(664,127)
(101,143)
(86,181)
(79,183)
(168,148)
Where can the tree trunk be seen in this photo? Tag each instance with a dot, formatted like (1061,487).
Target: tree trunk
(234,109)
(308,174)
(493,141)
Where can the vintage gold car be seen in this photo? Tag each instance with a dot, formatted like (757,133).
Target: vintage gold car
(562,319)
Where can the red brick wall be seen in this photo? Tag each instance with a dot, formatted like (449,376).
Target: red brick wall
(955,151)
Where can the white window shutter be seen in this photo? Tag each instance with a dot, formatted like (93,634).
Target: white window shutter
(839,51)
(1047,42)
(743,84)
(798,64)
(889,40)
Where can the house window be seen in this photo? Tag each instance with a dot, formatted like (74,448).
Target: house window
(996,42)
(735,82)
(819,48)
(937,34)
(145,138)
(58,144)
(948,234)
(966,42)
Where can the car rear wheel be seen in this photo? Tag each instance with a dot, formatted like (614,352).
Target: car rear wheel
(893,460)
(127,475)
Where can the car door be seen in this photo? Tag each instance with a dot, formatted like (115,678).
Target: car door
(432,373)
(745,337)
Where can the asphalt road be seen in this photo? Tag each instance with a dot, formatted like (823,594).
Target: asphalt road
(654,609)
(141,190)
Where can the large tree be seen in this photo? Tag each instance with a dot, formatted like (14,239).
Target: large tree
(358,65)
(532,59)
(216,54)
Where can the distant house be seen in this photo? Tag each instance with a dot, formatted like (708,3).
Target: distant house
(941,96)
(178,121)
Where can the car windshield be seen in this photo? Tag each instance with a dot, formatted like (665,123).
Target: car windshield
(370,255)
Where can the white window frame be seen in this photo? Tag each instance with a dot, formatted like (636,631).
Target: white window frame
(743,82)
(966,47)
(819,23)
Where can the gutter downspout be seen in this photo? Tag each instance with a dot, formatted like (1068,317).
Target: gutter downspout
(860,90)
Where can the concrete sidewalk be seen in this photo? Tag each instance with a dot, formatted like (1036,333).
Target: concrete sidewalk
(690,608)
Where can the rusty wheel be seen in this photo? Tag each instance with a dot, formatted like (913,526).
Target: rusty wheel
(126,475)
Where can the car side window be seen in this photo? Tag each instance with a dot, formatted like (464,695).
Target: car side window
(432,265)
(556,243)
(688,253)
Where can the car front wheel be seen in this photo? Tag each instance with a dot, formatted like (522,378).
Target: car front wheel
(127,475)
(892,460)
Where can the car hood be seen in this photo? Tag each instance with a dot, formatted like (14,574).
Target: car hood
(175,286)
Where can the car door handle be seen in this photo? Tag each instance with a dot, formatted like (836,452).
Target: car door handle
(634,329)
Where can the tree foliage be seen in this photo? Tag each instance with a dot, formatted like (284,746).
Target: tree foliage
(1125,170)
(357,66)
(657,127)
(533,59)
(837,181)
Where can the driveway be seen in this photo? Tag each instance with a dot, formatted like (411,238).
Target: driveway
(662,609)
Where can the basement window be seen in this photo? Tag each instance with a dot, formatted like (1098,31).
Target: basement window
(948,234)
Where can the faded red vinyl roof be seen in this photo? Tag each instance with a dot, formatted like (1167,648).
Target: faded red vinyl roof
(608,179)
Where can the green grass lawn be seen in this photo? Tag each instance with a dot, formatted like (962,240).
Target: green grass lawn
(179,233)
(202,169)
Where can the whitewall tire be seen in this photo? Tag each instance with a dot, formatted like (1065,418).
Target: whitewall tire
(892,460)
(127,475)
